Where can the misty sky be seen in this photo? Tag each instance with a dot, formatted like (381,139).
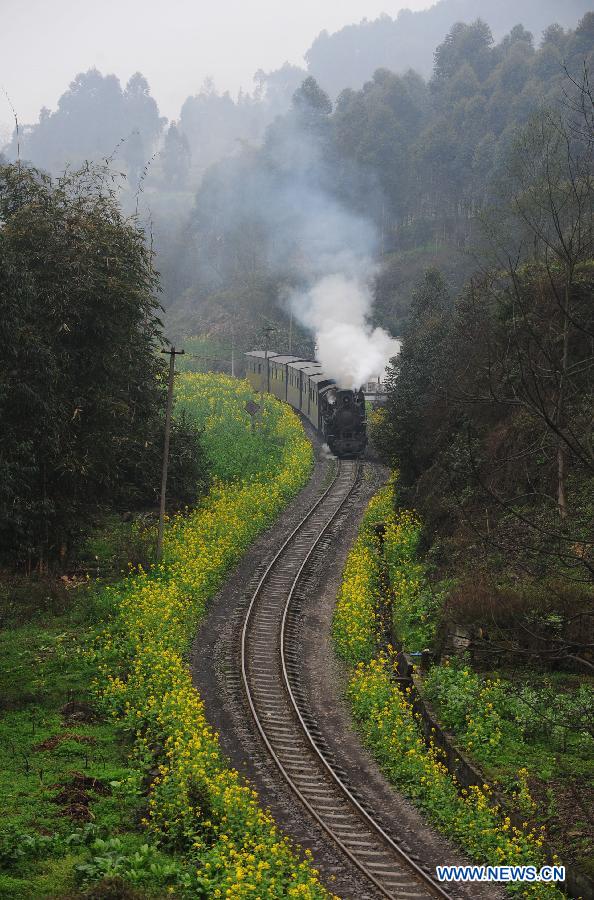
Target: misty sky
(175,43)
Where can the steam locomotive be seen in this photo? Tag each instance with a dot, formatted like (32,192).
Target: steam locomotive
(339,415)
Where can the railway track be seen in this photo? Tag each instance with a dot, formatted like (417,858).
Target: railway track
(270,669)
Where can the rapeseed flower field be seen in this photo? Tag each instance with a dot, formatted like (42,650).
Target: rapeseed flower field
(384,713)
(197,804)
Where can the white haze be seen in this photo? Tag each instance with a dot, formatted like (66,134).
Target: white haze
(332,251)
(176,45)
(337,309)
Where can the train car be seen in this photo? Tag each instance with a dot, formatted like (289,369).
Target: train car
(318,384)
(301,370)
(279,375)
(258,369)
(339,415)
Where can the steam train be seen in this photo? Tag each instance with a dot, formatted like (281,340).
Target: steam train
(339,415)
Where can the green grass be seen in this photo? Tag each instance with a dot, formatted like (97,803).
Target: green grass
(206,353)
(75,793)
(44,668)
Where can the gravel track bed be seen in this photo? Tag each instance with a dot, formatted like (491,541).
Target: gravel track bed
(215,672)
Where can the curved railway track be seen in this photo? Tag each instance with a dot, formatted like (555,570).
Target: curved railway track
(270,673)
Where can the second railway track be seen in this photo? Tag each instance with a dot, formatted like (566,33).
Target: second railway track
(270,669)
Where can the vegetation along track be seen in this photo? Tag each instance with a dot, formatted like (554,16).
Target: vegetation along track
(270,674)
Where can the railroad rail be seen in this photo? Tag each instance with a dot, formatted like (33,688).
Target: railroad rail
(270,673)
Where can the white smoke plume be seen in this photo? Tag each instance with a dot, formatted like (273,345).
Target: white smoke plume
(321,248)
(331,250)
(336,309)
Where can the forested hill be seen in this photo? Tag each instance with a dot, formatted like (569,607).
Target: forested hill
(97,117)
(349,57)
(419,159)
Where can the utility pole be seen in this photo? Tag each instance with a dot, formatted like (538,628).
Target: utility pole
(268,329)
(172,354)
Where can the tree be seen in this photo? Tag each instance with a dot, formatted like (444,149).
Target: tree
(81,387)
(176,158)
(493,428)
(275,89)
(463,44)
(551,197)
(415,381)
(94,119)
(312,106)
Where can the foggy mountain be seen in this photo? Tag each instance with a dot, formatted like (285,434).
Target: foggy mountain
(236,197)
(349,57)
(96,115)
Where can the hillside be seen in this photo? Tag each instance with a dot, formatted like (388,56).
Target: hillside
(349,57)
